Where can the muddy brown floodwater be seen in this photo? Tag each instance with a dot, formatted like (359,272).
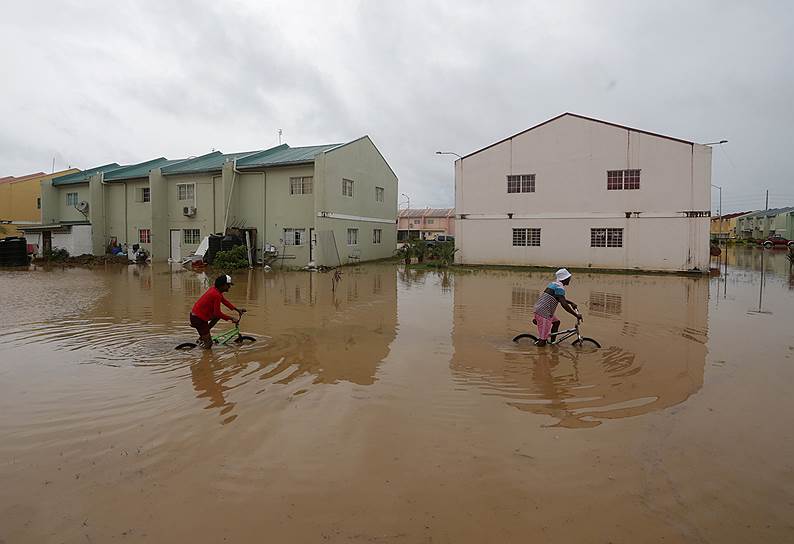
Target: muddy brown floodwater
(397,409)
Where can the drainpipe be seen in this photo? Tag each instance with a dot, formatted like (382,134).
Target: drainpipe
(231,192)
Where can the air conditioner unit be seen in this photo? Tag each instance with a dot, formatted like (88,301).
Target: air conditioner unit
(189,211)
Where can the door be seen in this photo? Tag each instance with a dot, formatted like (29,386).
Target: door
(312,244)
(46,241)
(176,245)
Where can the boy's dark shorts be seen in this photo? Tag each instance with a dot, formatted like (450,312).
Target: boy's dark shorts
(203,327)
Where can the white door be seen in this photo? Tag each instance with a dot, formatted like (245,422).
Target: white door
(176,245)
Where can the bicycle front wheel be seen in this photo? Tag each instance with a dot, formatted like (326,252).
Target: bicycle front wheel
(184,346)
(586,343)
(242,339)
(525,335)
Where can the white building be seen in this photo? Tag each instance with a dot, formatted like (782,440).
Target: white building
(579,192)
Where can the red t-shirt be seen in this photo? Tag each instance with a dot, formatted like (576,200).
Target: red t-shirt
(208,306)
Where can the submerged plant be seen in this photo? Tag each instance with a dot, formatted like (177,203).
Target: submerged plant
(405,253)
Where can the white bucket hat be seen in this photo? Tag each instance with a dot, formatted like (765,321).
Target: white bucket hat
(562,274)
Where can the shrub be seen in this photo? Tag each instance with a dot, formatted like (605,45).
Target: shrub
(235,258)
(405,253)
(445,253)
(57,255)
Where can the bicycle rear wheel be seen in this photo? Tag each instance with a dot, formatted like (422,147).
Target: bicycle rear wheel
(525,335)
(242,339)
(184,346)
(586,343)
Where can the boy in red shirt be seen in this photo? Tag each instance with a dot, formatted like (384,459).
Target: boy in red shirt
(207,310)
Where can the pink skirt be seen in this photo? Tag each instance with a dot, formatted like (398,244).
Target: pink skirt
(544,325)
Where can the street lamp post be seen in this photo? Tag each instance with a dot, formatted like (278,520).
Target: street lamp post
(719,236)
(408,198)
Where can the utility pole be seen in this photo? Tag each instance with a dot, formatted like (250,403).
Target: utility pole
(767,199)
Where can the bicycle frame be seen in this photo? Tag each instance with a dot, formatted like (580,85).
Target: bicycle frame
(564,334)
(227,336)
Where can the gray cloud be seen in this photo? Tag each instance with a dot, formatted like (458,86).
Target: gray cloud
(95,82)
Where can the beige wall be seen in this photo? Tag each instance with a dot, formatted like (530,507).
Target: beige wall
(60,211)
(570,158)
(360,162)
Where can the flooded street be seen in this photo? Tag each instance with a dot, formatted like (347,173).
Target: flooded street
(396,408)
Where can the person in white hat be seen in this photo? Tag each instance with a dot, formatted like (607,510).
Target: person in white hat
(207,310)
(554,294)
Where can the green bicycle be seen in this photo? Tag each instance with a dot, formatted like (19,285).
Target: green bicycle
(222,339)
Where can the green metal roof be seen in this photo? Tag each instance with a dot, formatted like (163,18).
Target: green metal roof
(205,163)
(283,155)
(83,175)
(140,170)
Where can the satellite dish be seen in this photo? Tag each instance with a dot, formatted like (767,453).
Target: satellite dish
(82,206)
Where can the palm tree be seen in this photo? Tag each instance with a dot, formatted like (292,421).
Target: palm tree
(405,253)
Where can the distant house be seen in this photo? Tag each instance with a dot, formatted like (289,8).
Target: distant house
(765,223)
(326,204)
(580,192)
(425,223)
(20,201)
(724,227)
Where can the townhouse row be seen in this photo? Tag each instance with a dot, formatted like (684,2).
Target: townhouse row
(326,204)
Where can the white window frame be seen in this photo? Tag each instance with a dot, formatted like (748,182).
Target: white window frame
(189,235)
(379,192)
(140,236)
(377,236)
(526,237)
(186,185)
(606,237)
(352,240)
(72,199)
(294,236)
(347,187)
(521,183)
(301,185)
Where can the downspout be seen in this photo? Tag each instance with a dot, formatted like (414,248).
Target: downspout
(231,192)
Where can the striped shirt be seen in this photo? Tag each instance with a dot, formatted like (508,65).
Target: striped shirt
(547,302)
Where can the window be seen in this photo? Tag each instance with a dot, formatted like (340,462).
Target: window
(71,199)
(301,186)
(347,187)
(191,236)
(623,179)
(294,237)
(526,237)
(606,237)
(523,183)
(145,236)
(185,191)
(352,237)
(429,221)
(145,194)
(38,203)
(378,194)
(376,235)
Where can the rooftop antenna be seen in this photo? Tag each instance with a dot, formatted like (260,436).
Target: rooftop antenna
(53,164)
(279,136)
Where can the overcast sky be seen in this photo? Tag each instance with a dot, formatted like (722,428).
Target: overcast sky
(91,82)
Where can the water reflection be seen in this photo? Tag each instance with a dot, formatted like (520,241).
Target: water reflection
(653,360)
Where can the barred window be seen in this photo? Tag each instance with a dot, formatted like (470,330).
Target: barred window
(376,235)
(526,237)
(191,236)
(378,194)
(185,191)
(301,185)
(606,237)
(623,179)
(146,195)
(145,236)
(347,187)
(352,237)
(294,237)
(71,199)
(523,183)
